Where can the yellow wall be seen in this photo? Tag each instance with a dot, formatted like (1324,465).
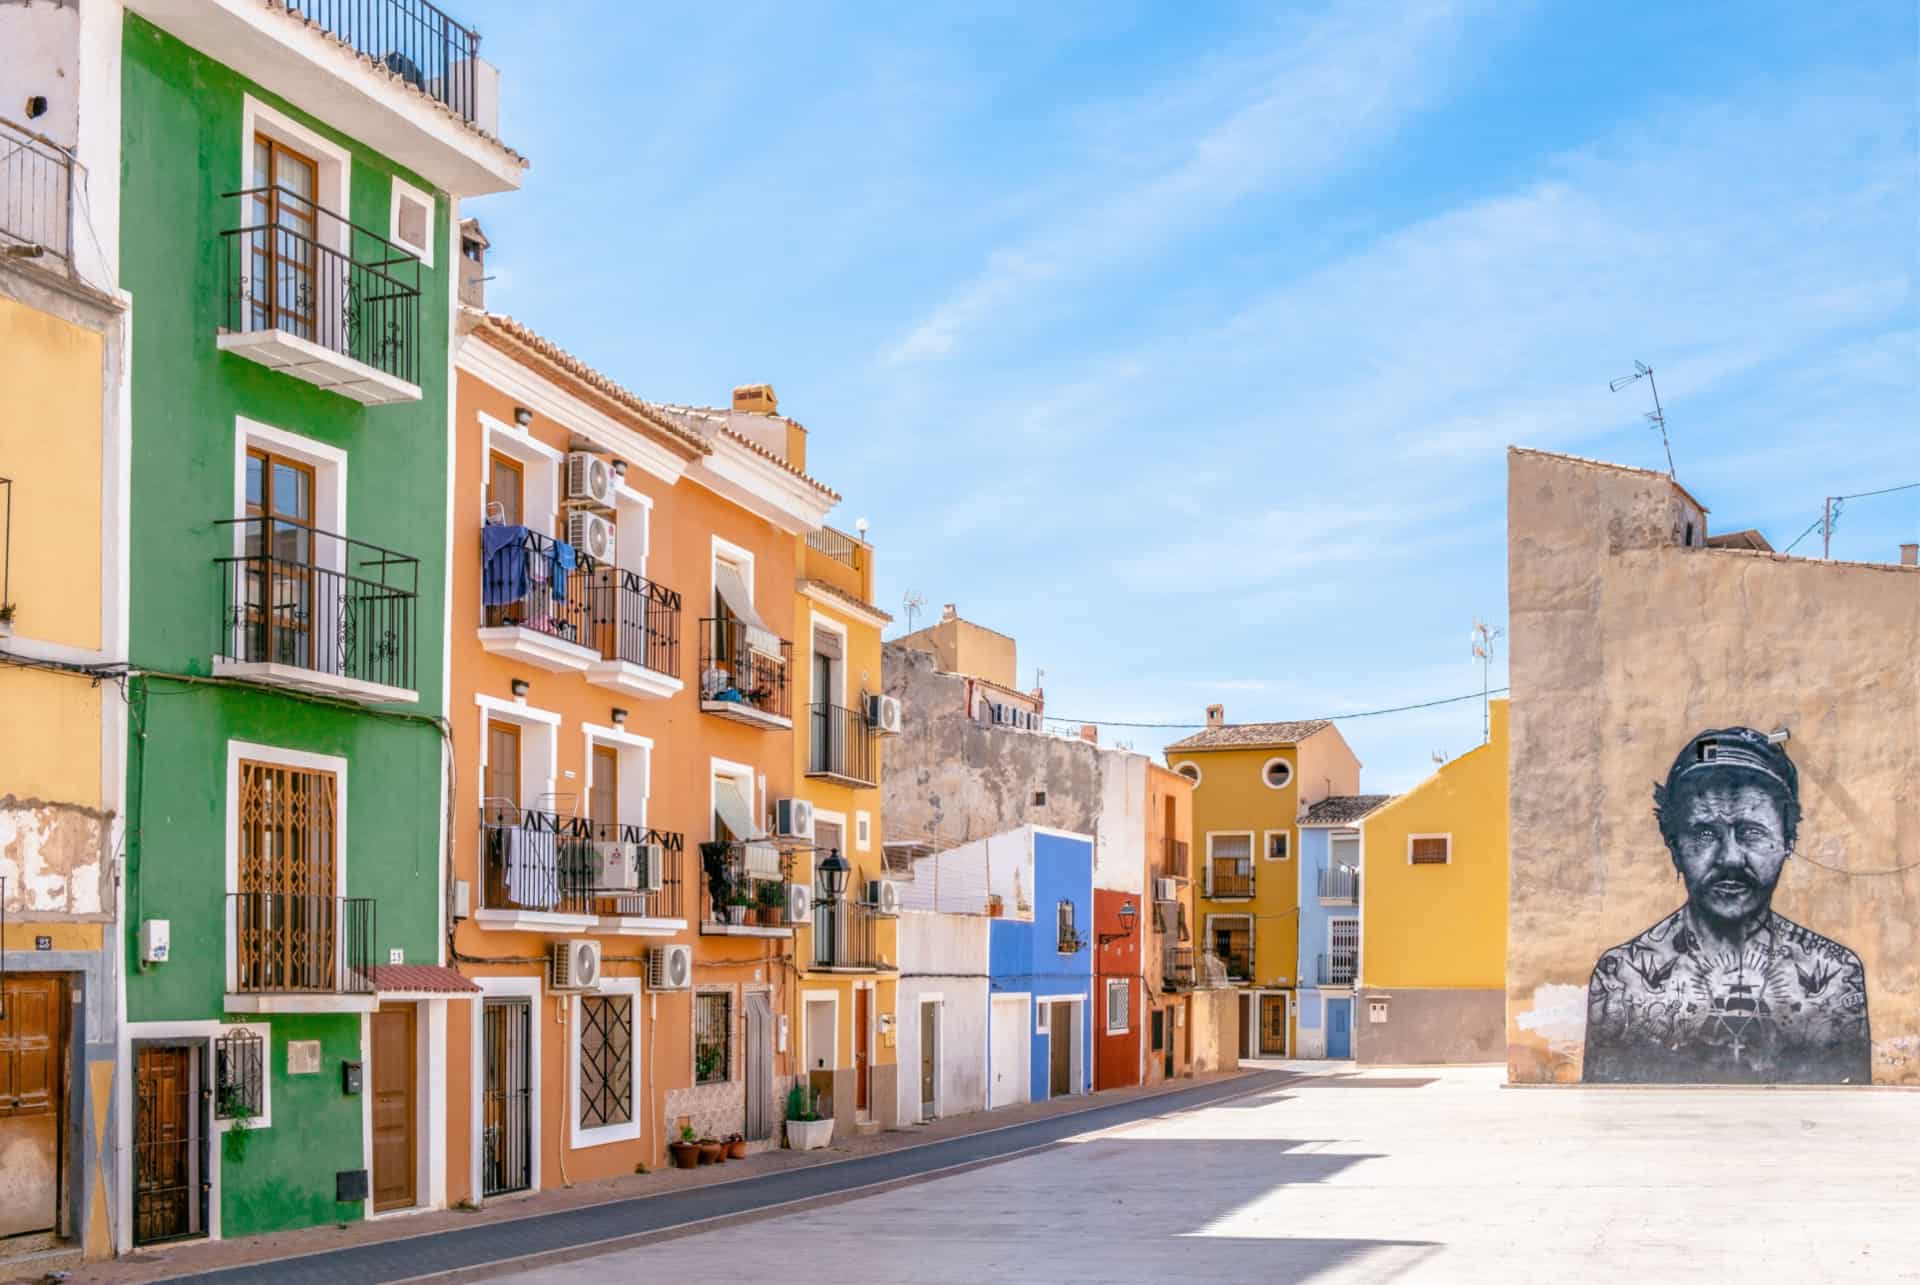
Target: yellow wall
(1233,796)
(51,748)
(1439,926)
(50,429)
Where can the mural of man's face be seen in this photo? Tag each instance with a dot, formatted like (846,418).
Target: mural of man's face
(1729,845)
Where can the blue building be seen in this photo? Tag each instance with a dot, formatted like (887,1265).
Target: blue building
(1329,872)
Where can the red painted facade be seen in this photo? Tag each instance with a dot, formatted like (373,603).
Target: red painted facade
(1116,1056)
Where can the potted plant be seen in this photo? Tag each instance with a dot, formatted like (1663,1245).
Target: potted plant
(806,1131)
(995,905)
(6,620)
(712,1151)
(685,1150)
(741,905)
(773,904)
(238,1113)
(736,1147)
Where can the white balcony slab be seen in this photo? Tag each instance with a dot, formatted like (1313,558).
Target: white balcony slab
(539,649)
(304,1002)
(710,929)
(841,778)
(315,681)
(634,680)
(533,921)
(741,712)
(319,365)
(639,926)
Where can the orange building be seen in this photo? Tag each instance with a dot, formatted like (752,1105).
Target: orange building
(621,605)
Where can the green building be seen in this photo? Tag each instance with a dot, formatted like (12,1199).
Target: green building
(288,205)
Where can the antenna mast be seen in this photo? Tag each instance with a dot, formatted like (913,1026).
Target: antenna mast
(1483,640)
(1656,417)
(912,603)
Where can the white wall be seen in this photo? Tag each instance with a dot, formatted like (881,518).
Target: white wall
(944,955)
(1120,853)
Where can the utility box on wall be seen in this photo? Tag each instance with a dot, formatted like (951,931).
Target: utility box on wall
(350,1078)
(350,1184)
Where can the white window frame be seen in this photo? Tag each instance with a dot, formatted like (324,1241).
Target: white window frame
(836,666)
(1123,987)
(727,551)
(635,755)
(540,472)
(582,1137)
(405,191)
(278,757)
(539,747)
(329,465)
(1042,1017)
(1447,835)
(1266,845)
(1268,766)
(742,775)
(736,1000)
(1252,837)
(333,184)
(1181,769)
(863,830)
(633,530)
(1253,943)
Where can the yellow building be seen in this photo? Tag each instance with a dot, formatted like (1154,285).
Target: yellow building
(1433,915)
(1251,783)
(847,956)
(62,757)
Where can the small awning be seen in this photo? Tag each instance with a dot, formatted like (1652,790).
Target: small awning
(732,588)
(734,809)
(421,979)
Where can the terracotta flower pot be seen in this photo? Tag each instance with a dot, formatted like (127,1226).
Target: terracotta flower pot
(685,1154)
(737,1149)
(712,1153)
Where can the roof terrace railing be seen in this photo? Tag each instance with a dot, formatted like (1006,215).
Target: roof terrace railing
(413,39)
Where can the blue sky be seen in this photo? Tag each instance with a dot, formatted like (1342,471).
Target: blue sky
(1186,349)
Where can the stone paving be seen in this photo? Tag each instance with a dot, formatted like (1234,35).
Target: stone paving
(1409,1174)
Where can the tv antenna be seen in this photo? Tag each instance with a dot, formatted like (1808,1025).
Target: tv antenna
(1656,416)
(912,603)
(1484,637)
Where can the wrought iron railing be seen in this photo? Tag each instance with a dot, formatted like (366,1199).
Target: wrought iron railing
(537,582)
(36,194)
(1237,957)
(736,669)
(1230,877)
(1173,858)
(642,622)
(1338,969)
(837,545)
(645,845)
(295,266)
(6,550)
(842,743)
(746,883)
(413,39)
(1177,968)
(846,935)
(537,861)
(295,595)
(301,943)
(1339,885)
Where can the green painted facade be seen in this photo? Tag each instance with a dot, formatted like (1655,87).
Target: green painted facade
(183,146)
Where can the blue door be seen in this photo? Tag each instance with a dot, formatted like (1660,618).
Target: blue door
(1339,1028)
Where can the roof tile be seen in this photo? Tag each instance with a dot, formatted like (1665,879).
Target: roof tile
(1247,736)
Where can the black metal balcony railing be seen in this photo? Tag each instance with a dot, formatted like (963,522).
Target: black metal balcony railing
(299,596)
(36,194)
(301,943)
(733,670)
(1230,877)
(411,38)
(1338,969)
(1339,885)
(837,545)
(298,267)
(845,935)
(539,583)
(642,623)
(1173,858)
(842,744)
(1237,956)
(537,861)
(1177,970)
(741,880)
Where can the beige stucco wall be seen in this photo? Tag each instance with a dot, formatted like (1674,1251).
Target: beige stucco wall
(1213,1022)
(1625,643)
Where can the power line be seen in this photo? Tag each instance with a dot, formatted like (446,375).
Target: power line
(1888,490)
(1830,514)
(1327,718)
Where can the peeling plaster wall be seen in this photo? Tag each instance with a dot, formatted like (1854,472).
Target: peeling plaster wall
(51,855)
(1625,644)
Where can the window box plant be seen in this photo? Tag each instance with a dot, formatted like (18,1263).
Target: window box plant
(806,1131)
(741,905)
(773,904)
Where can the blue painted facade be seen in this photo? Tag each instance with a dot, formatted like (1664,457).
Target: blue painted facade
(1319,1031)
(1024,955)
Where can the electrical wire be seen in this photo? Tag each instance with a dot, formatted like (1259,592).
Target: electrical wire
(1325,718)
(1837,499)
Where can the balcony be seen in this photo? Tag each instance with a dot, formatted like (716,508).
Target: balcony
(743,677)
(543,872)
(1173,858)
(36,196)
(1236,956)
(1230,878)
(320,298)
(1337,969)
(644,911)
(317,612)
(1177,968)
(746,889)
(846,938)
(843,747)
(1339,886)
(639,635)
(299,953)
(414,40)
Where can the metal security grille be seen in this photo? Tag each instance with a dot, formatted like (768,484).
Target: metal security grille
(286,913)
(606,1060)
(169,1155)
(712,1042)
(1119,1002)
(238,1062)
(506,1150)
(759,1068)
(1431,850)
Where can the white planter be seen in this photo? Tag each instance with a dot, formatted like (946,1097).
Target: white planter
(809,1135)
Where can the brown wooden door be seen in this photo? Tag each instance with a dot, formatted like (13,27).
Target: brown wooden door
(285,239)
(167,1176)
(862,1051)
(32,1094)
(1273,1026)
(1060,1050)
(393,1124)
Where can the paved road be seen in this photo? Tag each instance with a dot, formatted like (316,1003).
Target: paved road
(477,1247)
(1441,1176)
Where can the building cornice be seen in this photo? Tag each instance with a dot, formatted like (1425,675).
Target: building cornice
(845,604)
(762,486)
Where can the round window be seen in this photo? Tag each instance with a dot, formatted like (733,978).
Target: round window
(1278,774)
(1189,770)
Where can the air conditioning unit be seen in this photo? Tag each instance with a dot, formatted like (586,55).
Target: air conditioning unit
(884,896)
(590,478)
(652,872)
(592,535)
(576,965)
(616,868)
(670,968)
(799,904)
(883,714)
(793,819)
(1166,890)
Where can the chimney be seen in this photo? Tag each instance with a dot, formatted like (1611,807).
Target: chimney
(756,397)
(1216,716)
(473,264)
(1910,555)
(948,613)
(1090,733)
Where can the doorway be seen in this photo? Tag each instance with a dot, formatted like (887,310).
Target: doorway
(1246,1025)
(33,1098)
(1339,1028)
(1273,1026)
(506,1156)
(1060,1050)
(394,1137)
(1162,1019)
(929,1057)
(170,1176)
(862,1049)
(759,1067)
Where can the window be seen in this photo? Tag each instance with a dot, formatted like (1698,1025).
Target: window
(606,1060)
(1278,774)
(1279,845)
(1069,938)
(238,1061)
(503,766)
(1119,1005)
(1230,864)
(712,1038)
(283,252)
(411,227)
(507,489)
(863,830)
(1039,798)
(603,791)
(1189,770)
(1231,938)
(1429,849)
(278,589)
(285,915)
(1042,1019)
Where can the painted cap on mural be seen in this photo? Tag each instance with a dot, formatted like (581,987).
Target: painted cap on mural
(1735,749)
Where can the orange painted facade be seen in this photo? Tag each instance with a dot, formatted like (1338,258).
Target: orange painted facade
(1170,960)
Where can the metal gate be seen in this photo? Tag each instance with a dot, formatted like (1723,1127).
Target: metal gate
(170,1175)
(759,1067)
(507,1098)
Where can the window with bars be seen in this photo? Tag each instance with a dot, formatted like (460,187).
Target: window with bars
(606,1060)
(712,1038)
(1430,849)
(1069,938)
(1119,1005)
(239,1064)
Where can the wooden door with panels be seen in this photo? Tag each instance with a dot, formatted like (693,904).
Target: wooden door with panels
(285,285)
(33,1096)
(1060,1040)
(862,1048)
(394,1123)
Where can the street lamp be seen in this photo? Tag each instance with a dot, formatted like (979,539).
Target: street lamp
(1127,913)
(832,875)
